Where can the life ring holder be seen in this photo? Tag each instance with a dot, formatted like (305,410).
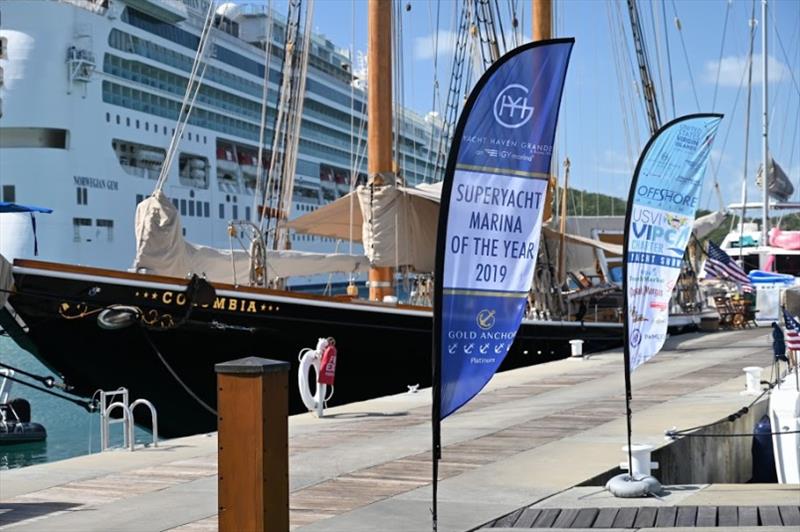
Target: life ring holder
(310,359)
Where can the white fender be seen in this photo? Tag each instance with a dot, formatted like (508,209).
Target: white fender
(310,358)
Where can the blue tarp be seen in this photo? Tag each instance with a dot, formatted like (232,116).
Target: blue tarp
(760,276)
(15,207)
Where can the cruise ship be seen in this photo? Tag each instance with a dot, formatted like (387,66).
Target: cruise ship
(90,91)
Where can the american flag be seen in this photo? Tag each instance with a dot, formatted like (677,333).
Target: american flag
(720,265)
(792,330)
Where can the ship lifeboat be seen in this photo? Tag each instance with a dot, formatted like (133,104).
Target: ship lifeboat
(150,156)
(226,162)
(197,164)
(784,239)
(249,164)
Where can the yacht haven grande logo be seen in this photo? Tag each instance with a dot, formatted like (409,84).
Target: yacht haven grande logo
(511,109)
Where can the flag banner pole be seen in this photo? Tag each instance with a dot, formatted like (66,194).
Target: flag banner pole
(659,217)
(490,219)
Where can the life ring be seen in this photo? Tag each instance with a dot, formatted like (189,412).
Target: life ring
(310,358)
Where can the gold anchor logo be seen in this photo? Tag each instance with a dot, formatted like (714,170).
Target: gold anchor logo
(485,319)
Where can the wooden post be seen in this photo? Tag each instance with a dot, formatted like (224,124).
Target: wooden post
(379,113)
(253,408)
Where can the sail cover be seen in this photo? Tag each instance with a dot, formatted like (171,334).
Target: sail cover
(491,215)
(663,198)
(162,250)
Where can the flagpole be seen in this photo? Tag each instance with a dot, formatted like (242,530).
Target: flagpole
(626,294)
(436,431)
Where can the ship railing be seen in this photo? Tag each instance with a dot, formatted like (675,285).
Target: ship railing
(119,399)
(96,6)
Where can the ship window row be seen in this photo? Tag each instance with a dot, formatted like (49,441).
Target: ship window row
(142,73)
(167,108)
(189,40)
(132,44)
(82,230)
(155,128)
(168,82)
(160,79)
(186,207)
(128,42)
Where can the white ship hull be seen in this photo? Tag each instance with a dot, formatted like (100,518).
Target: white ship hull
(60,137)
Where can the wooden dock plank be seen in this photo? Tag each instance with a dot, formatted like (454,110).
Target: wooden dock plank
(646,517)
(605,517)
(625,518)
(565,518)
(508,520)
(546,518)
(586,518)
(790,515)
(665,517)
(748,516)
(686,516)
(706,516)
(769,516)
(728,516)
(527,518)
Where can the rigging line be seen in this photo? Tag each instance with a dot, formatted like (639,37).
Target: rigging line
(654,27)
(293,135)
(669,56)
(499,19)
(783,50)
(721,49)
(192,89)
(47,381)
(279,143)
(620,81)
(730,121)
(175,375)
(630,73)
(88,405)
(747,125)
(435,87)
(264,105)
(685,54)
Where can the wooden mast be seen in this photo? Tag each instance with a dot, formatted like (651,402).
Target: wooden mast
(379,116)
(542,28)
(542,19)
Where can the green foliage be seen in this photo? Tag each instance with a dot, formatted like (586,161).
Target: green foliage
(583,203)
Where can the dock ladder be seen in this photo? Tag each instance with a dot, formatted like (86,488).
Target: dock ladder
(109,401)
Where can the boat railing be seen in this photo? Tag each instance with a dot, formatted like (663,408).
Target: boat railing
(119,399)
(5,384)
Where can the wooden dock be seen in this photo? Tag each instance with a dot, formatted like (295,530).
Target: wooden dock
(532,433)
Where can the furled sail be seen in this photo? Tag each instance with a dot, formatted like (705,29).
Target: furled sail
(162,250)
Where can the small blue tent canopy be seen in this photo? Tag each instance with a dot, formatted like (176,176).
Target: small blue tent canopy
(6,206)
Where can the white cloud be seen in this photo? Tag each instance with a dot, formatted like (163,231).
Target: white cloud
(424,46)
(732,69)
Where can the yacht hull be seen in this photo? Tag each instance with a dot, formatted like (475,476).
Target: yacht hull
(53,313)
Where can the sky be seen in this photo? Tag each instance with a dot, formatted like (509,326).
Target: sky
(602,125)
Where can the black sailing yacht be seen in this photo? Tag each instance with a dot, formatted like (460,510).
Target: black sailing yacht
(53,313)
(159,333)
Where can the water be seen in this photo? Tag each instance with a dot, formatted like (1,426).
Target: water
(71,430)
